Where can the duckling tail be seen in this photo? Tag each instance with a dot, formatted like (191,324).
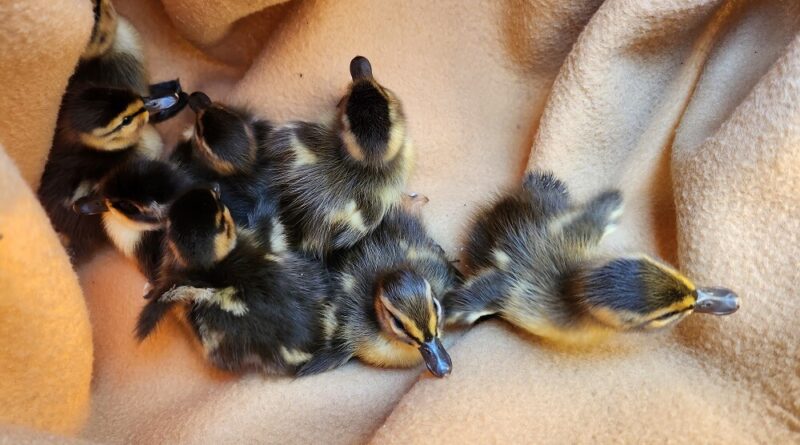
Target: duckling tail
(151,315)
(480,296)
(548,192)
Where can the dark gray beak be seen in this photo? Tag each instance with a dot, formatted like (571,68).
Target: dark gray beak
(437,360)
(716,301)
(360,68)
(90,205)
(157,104)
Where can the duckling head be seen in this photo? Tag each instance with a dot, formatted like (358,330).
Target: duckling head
(135,195)
(200,230)
(104,119)
(223,137)
(642,293)
(408,312)
(371,118)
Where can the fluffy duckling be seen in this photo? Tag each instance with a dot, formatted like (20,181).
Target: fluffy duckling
(226,146)
(385,309)
(98,129)
(251,304)
(534,262)
(132,202)
(338,180)
(114,58)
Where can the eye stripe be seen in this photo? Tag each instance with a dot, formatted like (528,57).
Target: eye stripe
(118,127)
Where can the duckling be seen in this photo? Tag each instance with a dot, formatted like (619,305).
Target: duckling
(132,201)
(338,180)
(97,129)
(252,304)
(226,146)
(385,309)
(114,58)
(534,262)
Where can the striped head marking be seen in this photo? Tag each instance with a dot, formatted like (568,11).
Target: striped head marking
(408,312)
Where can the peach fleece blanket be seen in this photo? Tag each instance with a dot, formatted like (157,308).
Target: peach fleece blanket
(691,107)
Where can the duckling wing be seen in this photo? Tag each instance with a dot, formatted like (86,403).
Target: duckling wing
(480,296)
(326,359)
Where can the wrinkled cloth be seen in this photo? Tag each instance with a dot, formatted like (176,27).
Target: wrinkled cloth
(690,107)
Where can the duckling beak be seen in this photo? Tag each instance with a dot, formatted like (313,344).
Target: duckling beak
(166,99)
(716,301)
(90,205)
(437,360)
(360,68)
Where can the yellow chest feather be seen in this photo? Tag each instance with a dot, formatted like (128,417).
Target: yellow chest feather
(382,351)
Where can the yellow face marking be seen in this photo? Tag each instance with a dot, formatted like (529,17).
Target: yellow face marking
(226,241)
(411,328)
(397,135)
(351,145)
(150,144)
(381,350)
(674,273)
(110,138)
(433,316)
(222,167)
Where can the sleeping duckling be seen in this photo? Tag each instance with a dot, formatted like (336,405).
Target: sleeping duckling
(97,129)
(339,180)
(251,304)
(114,58)
(133,200)
(385,309)
(226,146)
(535,264)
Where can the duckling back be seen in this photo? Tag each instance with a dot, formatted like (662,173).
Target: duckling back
(250,303)
(114,56)
(399,266)
(534,262)
(226,146)
(339,179)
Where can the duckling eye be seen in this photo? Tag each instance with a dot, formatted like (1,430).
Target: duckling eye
(126,207)
(668,315)
(126,121)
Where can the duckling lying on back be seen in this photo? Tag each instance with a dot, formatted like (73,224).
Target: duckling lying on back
(338,181)
(98,129)
(534,262)
(252,305)
(133,200)
(385,309)
(226,146)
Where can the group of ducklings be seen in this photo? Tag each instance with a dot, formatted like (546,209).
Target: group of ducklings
(292,248)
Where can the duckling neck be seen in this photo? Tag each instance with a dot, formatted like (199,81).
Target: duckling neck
(382,350)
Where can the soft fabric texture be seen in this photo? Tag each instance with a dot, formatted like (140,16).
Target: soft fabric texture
(690,107)
(46,347)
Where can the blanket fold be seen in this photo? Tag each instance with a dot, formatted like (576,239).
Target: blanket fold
(690,107)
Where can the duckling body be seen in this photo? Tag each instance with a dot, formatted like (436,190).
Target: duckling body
(226,146)
(97,129)
(385,309)
(114,55)
(339,179)
(132,201)
(251,304)
(534,262)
